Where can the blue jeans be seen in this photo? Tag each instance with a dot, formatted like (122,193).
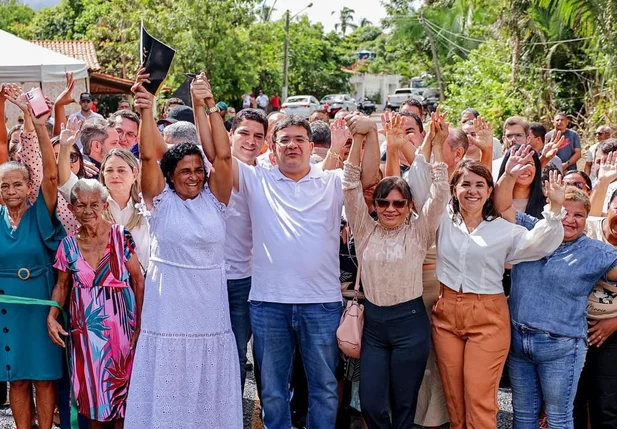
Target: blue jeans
(238,295)
(277,328)
(544,368)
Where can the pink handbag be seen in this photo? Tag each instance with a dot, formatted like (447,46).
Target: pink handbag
(349,332)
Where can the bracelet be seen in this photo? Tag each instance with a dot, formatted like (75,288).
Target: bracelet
(333,154)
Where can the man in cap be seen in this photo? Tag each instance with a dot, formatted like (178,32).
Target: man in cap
(178,113)
(85,102)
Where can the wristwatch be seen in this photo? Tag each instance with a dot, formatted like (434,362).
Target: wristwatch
(212,110)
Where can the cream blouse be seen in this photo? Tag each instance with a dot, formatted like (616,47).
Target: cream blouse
(391,259)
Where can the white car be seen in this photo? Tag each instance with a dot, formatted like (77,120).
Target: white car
(301,105)
(337,102)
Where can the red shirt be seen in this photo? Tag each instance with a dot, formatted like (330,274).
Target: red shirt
(275,102)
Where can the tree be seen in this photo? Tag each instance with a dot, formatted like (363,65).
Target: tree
(14,17)
(345,20)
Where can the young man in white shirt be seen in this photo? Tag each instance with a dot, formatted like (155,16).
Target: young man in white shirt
(262,100)
(85,102)
(295,296)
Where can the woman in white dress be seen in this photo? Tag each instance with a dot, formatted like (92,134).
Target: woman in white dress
(186,372)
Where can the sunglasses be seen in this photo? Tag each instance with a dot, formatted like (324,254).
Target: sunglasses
(600,134)
(579,185)
(384,204)
(74,157)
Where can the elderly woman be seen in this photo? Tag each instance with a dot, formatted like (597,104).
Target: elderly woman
(29,237)
(471,322)
(186,371)
(396,338)
(105,305)
(119,174)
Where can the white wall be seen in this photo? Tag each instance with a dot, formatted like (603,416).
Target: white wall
(368,85)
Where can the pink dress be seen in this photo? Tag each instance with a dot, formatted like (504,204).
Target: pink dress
(103,319)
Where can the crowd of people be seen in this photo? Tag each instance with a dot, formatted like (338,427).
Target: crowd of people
(153,251)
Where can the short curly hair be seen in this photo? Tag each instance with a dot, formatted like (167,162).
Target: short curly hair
(174,155)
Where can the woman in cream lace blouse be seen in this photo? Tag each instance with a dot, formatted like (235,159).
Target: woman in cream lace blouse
(391,251)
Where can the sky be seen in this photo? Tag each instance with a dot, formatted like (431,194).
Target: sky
(320,12)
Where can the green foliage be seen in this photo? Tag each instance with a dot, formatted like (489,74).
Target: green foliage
(14,17)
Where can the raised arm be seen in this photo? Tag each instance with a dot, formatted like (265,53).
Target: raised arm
(606,175)
(152,180)
(158,144)
(64,99)
(4,138)
(484,141)
(49,184)
(221,178)
(371,158)
(69,135)
(549,151)
(199,92)
(340,133)
(395,142)
(517,164)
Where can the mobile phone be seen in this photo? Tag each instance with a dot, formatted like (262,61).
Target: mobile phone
(191,75)
(36,98)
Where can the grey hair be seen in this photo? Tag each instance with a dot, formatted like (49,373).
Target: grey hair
(89,186)
(181,132)
(322,135)
(15,166)
(93,129)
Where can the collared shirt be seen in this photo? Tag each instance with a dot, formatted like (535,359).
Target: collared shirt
(295,235)
(474,261)
(238,238)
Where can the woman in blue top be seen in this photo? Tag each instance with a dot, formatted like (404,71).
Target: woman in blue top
(548,308)
(29,237)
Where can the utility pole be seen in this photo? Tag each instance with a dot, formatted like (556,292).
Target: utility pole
(285,58)
(435,59)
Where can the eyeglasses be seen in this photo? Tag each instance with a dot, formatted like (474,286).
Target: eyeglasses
(122,134)
(382,203)
(514,136)
(74,157)
(601,133)
(579,185)
(286,141)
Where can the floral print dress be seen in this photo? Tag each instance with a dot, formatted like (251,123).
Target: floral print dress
(103,319)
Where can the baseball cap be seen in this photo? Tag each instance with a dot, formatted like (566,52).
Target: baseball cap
(85,96)
(222,105)
(178,113)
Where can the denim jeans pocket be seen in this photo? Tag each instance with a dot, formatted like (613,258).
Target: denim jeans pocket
(559,338)
(255,303)
(332,306)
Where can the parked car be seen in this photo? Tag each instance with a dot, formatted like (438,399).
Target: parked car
(333,103)
(301,105)
(367,106)
(431,99)
(396,100)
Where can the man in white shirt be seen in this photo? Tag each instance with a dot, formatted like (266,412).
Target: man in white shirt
(295,296)
(247,136)
(262,100)
(85,102)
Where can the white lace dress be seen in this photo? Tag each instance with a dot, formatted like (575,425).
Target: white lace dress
(185,372)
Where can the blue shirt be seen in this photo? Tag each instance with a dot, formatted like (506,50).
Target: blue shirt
(551,294)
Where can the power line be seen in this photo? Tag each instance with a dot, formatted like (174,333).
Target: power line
(473,39)
(468,52)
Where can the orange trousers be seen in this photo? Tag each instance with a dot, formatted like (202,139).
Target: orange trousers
(471,337)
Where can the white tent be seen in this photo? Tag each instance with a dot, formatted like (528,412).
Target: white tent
(22,61)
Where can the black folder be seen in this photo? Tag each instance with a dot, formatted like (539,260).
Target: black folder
(156,57)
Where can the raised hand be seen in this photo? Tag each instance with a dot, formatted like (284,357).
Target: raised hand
(359,124)
(555,189)
(549,151)
(339,135)
(484,133)
(439,127)
(518,162)
(608,168)
(201,90)
(66,96)
(70,133)
(42,120)
(395,131)
(144,101)
(16,96)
